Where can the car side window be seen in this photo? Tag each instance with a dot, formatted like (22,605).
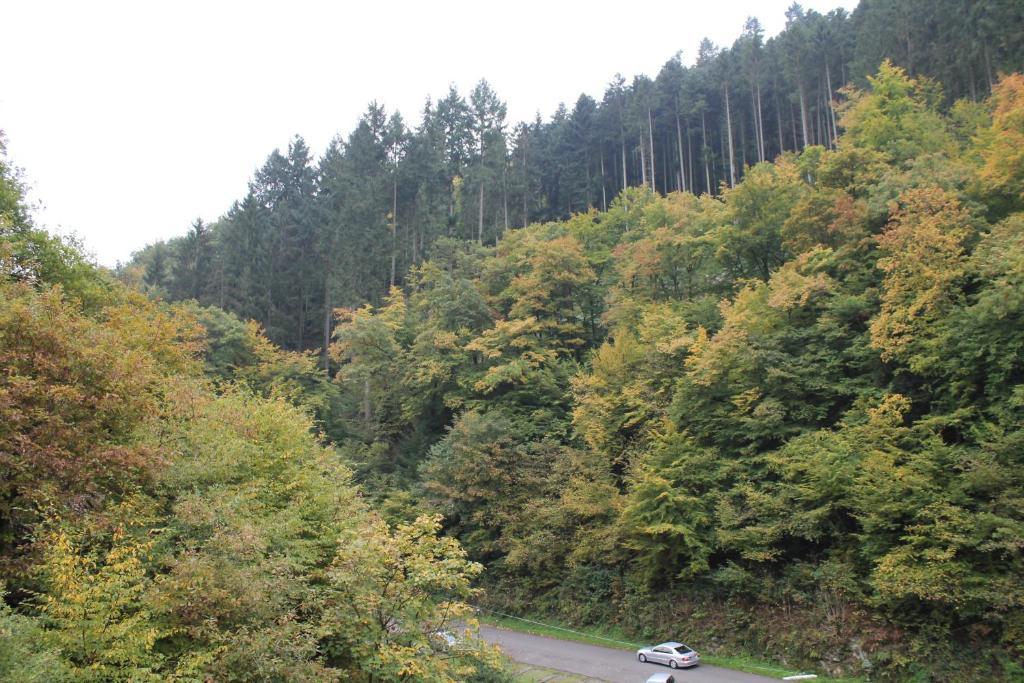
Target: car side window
(661,650)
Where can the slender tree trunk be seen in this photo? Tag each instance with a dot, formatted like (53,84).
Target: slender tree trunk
(650,131)
(803,114)
(831,109)
(604,196)
(624,176)
(723,154)
(664,167)
(679,142)
(728,124)
(394,226)
(778,122)
(830,129)
(704,153)
(757,130)
(823,124)
(643,163)
(689,156)
(743,143)
(792,123)
(760,124)
(816,120)
(588,203)
(526,183)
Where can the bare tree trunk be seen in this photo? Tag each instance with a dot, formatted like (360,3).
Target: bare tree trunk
(650,131)
(723,154)
(664,167)
(757,131)
(792,123)
(707,170)
(778,121)
(813,119)
(760,124)
(526,183)
(394,226)
(624,176)
(823,124)
(643,163)
(816,133)
(604,196)
(679,142)
(831,109)
(803,114)
(743,144)
(728,123)
(689,155)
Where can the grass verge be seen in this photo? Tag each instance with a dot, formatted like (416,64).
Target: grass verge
(614,638)
(536,674)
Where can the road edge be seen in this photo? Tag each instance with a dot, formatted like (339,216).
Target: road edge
(520,625)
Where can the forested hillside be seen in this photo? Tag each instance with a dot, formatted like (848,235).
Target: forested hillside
(787,418)
(155,526)
(735,355)
(316,233)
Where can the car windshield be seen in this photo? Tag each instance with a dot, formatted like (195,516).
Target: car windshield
(683,650)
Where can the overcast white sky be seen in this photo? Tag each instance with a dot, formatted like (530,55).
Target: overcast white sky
(130,119)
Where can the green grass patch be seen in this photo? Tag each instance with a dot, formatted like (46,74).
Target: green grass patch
(615,638)
(537,674)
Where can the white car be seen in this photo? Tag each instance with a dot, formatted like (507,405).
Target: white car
(661,678)
(676,655)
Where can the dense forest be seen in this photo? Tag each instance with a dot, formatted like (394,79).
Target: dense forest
(735,355)
(315,234)
(162,523)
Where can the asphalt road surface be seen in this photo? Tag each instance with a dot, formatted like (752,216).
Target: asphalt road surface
(601,663)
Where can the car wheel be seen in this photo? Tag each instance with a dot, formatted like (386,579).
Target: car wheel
(672,664)
(643,660)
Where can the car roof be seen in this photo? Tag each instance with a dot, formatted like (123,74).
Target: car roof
(670,644)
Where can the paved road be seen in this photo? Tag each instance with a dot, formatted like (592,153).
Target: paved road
(600,663)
